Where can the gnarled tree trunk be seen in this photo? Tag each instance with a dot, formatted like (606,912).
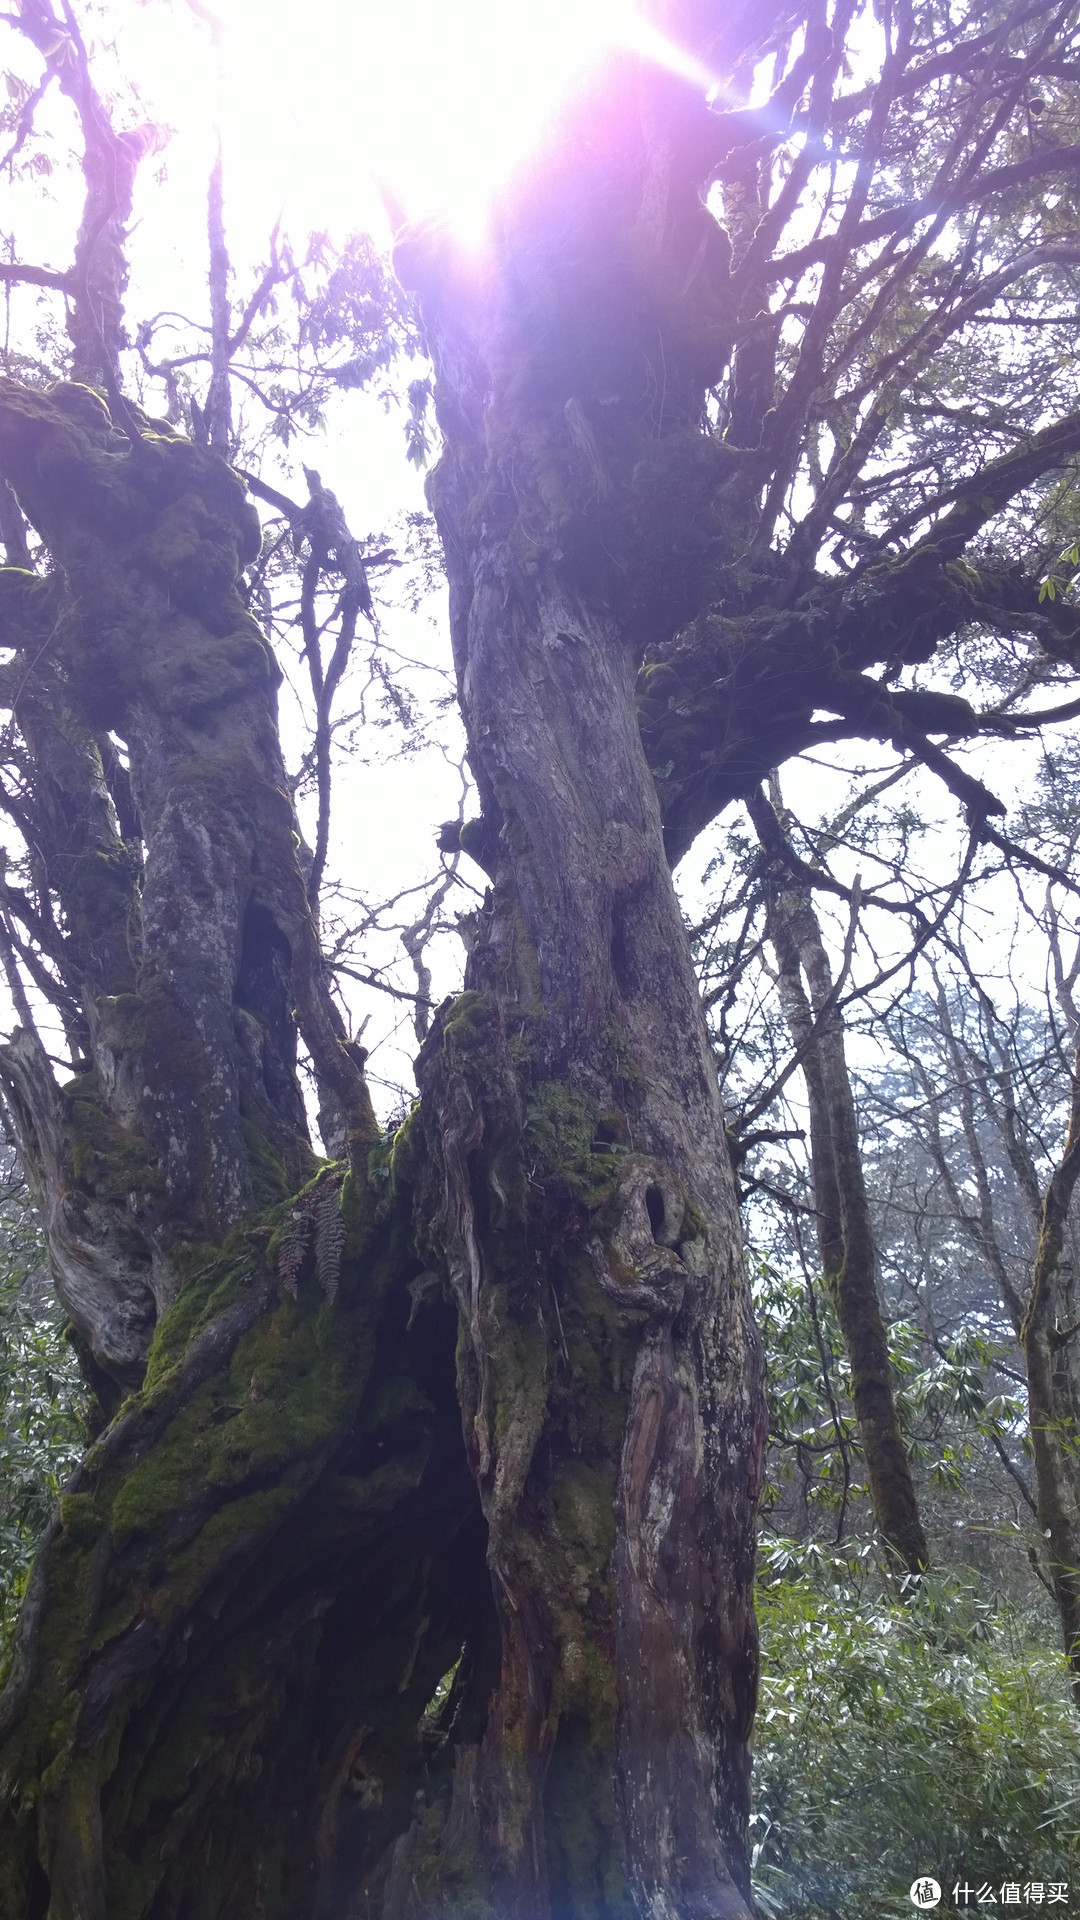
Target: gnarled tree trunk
(414,1577)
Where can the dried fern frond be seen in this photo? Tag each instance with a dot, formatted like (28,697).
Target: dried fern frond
(296,1238)
(329,1235)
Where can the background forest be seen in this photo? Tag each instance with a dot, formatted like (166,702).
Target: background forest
(884,916)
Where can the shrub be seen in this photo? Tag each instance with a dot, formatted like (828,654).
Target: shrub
(42,1404)
(895,1739)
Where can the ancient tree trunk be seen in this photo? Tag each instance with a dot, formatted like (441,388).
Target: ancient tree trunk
(584,1202)
(340,1617)
(170,1634)
(274,1553)
(185,941)
(844,1228)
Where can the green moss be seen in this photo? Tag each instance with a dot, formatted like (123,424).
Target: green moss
(570,1144)
(18,1862)
(448,1878)
(247,1519)
(203,1297)
(81,1518)
(584,1514)
(407,1149)
(288,1388)
(83,403)
(122,1020)
(100,895)
(266,1168)
(466,1022)
(210,1730)
(560,1125)
(600,1354)
(357,1205)
(163,1481)
(620,1060)
(105,1158)
(212,675)
(66,1625)
(47,1729)
(583,1822)
(291,1385)
(518,1351)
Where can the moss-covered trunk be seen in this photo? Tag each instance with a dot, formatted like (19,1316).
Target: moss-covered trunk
(415,1577)
(361,1604)
(274,1552)
(580,1190)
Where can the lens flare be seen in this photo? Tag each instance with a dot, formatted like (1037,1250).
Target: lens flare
(438,100)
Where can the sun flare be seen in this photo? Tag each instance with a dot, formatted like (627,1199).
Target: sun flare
(438,103)
(468,90)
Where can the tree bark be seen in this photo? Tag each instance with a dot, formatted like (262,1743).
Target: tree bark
(288,1471)
(582,1195)
(1048,1333)
(110,162)
(413,1575)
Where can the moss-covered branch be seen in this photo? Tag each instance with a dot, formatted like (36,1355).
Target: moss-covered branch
(736,693)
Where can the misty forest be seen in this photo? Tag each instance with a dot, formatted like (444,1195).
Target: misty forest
(540,927)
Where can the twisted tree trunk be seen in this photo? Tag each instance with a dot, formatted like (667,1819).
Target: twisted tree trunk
(336,1619)
(580,1189)
(413,1578)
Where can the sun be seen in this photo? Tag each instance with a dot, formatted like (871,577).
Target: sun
(467,91)
(321,103)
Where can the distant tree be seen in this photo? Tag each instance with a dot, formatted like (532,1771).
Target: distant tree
(846,1239)
(999,1113)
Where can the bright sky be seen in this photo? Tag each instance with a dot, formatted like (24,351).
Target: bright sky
(441,101)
